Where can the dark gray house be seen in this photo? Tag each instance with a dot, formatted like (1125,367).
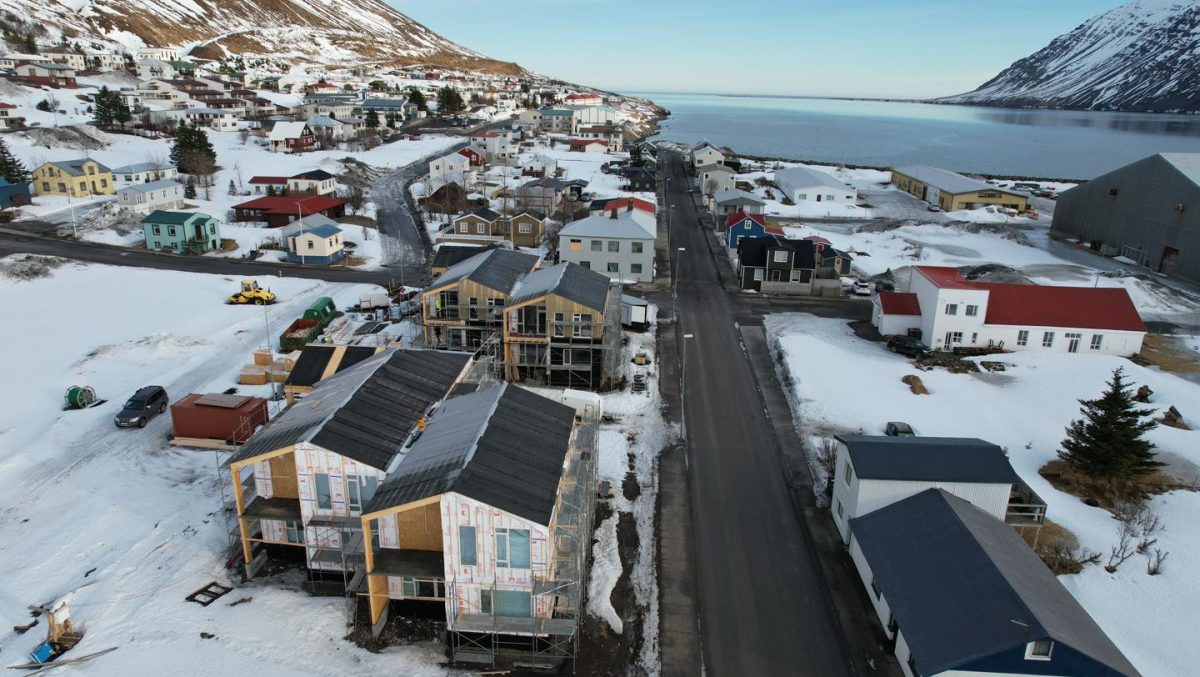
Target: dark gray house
(1148,211)
(959,592)
(778,265)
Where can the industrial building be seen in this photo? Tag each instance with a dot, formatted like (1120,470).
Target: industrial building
(952,192)
(1148,211)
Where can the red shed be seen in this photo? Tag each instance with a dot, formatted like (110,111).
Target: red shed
(218,417)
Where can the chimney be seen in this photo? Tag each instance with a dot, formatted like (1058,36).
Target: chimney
(613,215)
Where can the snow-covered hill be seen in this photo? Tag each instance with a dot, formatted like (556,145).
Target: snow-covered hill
(344,32)
(1142,56)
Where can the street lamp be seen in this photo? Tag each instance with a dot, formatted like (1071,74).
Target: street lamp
(300,220)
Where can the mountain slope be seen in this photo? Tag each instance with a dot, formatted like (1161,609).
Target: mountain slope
(1143,56)
(320,31)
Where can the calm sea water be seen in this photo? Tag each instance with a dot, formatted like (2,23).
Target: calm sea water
(1003,141)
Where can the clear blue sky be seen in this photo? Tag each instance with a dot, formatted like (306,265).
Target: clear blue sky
(887,48)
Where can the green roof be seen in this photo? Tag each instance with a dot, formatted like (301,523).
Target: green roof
(173,218)
(182,65)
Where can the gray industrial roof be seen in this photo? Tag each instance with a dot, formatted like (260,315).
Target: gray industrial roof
(364,413)
(1187,164)
(503,446)
(568,280)
(735,196)
(803,177)
(497,269)
(963,586)
(946,459)
(948,181)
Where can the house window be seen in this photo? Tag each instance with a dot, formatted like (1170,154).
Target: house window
(310,244)
(524,228)
(614,246)
(171,231)
(758,274)
(104,183)
(956,337)
(1048,339)
(582,325)
(157,230)
(512,548)
(951,308)
(1023,337)
(295,532)
(1097,339)
(635,269)
(481,228)
(636,247)
(558,324)
(359,491)
(614,267)
(803,196)
(849,474)
(466,546)
(840,511)
(1039,650)
(46,186)
(972,310)
(324,498)
(597,245)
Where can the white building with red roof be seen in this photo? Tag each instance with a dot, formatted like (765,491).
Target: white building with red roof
(947,311)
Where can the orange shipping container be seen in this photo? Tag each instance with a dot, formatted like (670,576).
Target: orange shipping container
(231,418)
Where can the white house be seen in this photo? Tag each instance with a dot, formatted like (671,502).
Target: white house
(540,164)
(316,182)
(714,178)
(160,53)
(145,172)
(946,311)
(618,243)
(216,119)
(801,184)
(452,168)
(154,68)
(496,146)
(960,594)
(706,154)
(73,60)
(144,198)
(874,471)
(106,61)
(587,116)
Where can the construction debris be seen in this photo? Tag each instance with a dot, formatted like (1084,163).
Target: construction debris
(209,593)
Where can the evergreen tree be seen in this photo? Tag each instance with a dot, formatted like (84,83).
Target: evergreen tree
(192,151)
(44,106)
(372,119)
(417,98)
(189,188)
(103,115)
(450,101)
(391,120)
(232,187)
(1107,442)
(271,190)
(30,44)
(11,168)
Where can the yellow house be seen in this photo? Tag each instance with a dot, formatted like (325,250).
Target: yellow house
(76,178)
(952,192)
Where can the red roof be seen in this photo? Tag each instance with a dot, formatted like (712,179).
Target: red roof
(469,152)
(638,204)
(288,204)
(899,303)
(6,106)
(269,180)
(737,217)
(1032,305)
(818,240)
(585,142)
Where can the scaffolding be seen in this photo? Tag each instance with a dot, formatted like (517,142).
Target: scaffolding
(550,639)
(565,353)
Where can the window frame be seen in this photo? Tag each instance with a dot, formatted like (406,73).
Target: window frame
(1047,339)
(463,530)
(1032,653)
(952,309)
(1023,337)
(328,496)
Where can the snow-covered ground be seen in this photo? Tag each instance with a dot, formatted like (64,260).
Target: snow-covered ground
(122,508)
(1024,409)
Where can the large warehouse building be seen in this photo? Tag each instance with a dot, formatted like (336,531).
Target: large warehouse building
(1148,211)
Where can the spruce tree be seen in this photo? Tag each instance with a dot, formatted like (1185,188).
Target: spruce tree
(102,114)
(372,119)
(1108,441)
(417,98)
(189,188)
(11,168)
(232,187)
(449,101)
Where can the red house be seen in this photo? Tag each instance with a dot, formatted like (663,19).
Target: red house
(278,211)
(477,159)
(46,74)
(262,183)
(589,146)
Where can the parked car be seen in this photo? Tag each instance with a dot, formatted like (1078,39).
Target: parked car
(861,288)
(898,429)
(933,208)
(146,403)
(907,345)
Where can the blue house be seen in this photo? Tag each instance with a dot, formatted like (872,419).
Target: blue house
(181,232)
(960,592)
(740,225)
(13,194)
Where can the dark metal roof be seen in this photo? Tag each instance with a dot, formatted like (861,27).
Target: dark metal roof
(752,251)
(503,446)
(353,355)
(568,280)
(310,365)
(497,269)
(365,413)
(944,459)
(958,581)
(449,254)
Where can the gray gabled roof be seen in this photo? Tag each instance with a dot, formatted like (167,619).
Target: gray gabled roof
(364,413)
(626,226)
(1187,164)
(738,197)
(947,181)
(503,446)
(153,186)
(708,169)
(568,280)
(803,177)
(945,459)
(139,167)
(75,167)
(960,583)
(497,269)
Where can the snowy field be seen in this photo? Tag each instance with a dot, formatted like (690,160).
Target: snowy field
(118,510)
(1024,409)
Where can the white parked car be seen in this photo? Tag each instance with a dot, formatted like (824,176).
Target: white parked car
(862,288)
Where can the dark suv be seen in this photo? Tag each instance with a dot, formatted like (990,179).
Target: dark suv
(145,404)
(907,345)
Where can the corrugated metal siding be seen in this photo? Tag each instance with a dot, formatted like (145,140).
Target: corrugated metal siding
(876,494)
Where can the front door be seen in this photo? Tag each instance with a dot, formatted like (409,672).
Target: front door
(199,228)
(949,344)
(1170,259)
(1073,342)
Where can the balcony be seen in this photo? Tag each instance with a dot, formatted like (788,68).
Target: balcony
(1025,507)
(409,563)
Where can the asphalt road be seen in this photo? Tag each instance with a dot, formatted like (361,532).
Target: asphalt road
(762,604)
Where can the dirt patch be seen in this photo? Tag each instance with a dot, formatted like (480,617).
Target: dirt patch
(29,266)
(398,631)
(1103,492)
(915,385)
(603,652)
(228,245)
(955,364)
(1058,548)
(1169,354)
(78,137)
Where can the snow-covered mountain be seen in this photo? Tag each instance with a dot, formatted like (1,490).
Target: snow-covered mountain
(1142,56)
(345,32)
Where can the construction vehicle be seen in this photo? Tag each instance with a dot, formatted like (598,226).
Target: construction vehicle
(252,293)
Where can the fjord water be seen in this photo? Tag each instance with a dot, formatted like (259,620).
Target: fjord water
(1000,141)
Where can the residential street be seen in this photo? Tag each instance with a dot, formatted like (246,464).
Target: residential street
(763,604)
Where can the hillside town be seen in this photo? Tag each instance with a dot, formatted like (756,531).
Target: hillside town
(431,371)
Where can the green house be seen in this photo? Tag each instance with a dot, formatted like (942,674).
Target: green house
(183,67)
(181,232)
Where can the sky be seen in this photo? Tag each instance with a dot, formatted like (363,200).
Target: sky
(870,48)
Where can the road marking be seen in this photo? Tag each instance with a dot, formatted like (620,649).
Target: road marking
(683,249)
(689,336)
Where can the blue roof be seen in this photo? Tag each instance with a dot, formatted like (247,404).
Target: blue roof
(153,185)
(142,167)
(324,230)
